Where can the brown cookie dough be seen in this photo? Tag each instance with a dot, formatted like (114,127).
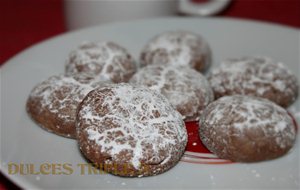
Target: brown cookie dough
(246,129)
(255,76)
(133,129)
(106,61)
(177,48)
(186,89)
(53,103)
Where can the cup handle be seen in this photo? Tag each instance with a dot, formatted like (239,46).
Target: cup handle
(202,9)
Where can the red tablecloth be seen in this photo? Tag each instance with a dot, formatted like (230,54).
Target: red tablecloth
(25,22)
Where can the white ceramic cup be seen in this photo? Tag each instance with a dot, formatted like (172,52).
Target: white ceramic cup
(82,13)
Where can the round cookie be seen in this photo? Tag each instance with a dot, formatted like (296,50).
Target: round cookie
(53,103)
(106,61)
(246,129)
(255,76)
(177,48)
(186,89)
(133,129)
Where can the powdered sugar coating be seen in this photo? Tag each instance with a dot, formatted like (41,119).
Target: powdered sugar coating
(178,48)
(125,124)
(107,61)
(186,89)
(53,103)
(246,129)
(256,76)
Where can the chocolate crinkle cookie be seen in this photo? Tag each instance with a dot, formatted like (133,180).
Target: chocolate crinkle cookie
(255,76)
(186,89)
(53,103)
(130,131)
(246,129)
(178,48)
(106,61)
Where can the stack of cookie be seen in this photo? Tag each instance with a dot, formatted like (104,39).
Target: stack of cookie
(248,121)
(132,115)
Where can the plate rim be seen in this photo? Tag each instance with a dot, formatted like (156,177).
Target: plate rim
(174,18)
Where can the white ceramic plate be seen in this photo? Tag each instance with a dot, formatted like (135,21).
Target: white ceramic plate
(22,141)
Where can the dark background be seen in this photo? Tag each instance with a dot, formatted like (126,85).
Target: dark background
(25,22)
